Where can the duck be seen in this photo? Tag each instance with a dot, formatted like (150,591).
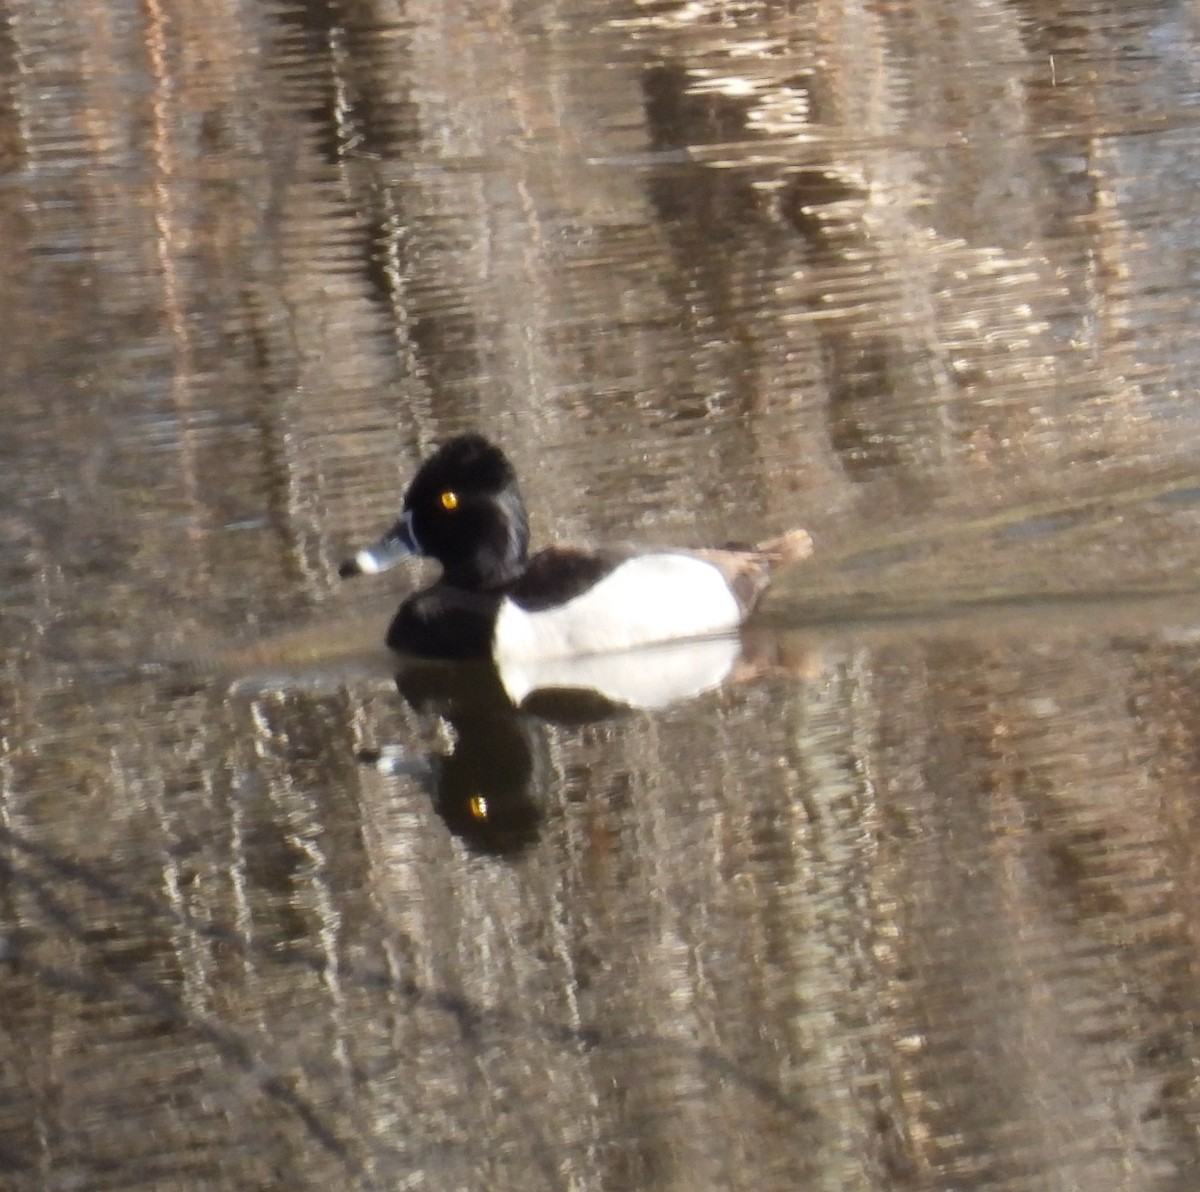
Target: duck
(464,509)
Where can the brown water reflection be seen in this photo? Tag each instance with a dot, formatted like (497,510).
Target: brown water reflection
(908,901)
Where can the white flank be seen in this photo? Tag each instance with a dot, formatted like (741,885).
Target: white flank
(644,601)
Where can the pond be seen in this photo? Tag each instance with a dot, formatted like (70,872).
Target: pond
(896,890)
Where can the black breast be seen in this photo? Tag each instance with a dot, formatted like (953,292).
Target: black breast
(445,622)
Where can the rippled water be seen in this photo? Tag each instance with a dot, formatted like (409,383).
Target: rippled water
(898,892)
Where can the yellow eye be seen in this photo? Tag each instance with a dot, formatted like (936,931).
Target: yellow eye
(449,501)
(477,805)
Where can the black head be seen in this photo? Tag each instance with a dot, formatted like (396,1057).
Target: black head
(464,509)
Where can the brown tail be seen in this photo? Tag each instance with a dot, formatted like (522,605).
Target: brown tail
(788,548)
(748,570)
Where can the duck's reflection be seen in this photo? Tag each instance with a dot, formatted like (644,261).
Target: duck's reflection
(492,788)
(647,679)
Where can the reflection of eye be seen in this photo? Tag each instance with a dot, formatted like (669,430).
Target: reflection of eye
(478,807)
(449,500)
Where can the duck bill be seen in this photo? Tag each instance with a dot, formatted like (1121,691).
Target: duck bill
(398,543)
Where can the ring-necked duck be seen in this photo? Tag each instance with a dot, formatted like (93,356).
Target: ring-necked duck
(464,509)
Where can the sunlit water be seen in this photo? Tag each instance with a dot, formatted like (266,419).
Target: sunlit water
(898,892)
